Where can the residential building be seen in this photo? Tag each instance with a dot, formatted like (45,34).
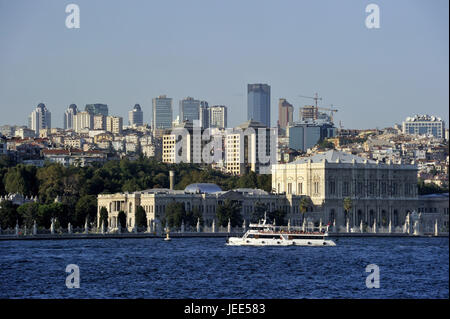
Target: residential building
(183,144)
(258,103)
(250,146)
(218,116)
(40,118)
(99,122)
(114,124)
(424,125)
(83,121)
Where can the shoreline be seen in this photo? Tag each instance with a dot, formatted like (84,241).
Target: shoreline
(192,235)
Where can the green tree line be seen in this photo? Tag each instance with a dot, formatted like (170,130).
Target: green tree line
(76,188)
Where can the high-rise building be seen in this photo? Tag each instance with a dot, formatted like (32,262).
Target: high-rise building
(218,116)
(285,113)
(114,124)
(99,122)
(189,109)
(68,116)
(40,118)
(97,109)
(303,135)
(258,103)
(190,148)
(162,113)
(249,146)
(136,116)
(83,121)
(424,125)
(204,114)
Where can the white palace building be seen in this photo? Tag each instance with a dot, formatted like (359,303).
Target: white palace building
(382,195)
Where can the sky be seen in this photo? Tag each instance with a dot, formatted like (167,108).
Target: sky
(128,52)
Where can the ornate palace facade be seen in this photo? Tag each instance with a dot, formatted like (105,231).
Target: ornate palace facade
(381,192)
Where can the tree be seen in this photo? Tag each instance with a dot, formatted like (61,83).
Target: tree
(248,180)
(51,182)
(86,207)
(258,212)
(229,210)
(305,204)
(175,214)
(21,179)
(347,203)
(104,217)
(30,213)
(265,182)
(429,188)
(9,215)
(325,144)
(161,180)
(279,216)
(140,217)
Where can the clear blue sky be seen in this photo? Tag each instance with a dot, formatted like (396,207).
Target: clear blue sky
(128,52)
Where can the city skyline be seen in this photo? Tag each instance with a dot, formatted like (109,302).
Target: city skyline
(373,77)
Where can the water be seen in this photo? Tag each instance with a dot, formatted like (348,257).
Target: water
(206,268)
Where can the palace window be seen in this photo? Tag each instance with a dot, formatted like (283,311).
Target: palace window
(316,187)
(394,189)
(300,188)
(289,188)
(346,189)
(383,188)
(332,187)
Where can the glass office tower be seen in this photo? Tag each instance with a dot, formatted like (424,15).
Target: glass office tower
(258,103)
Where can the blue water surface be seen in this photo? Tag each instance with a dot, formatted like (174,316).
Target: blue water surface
(206,268)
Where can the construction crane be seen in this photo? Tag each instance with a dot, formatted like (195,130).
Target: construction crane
(315,98)
(331,109)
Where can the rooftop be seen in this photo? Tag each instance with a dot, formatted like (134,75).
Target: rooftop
(333,156)
(207,188)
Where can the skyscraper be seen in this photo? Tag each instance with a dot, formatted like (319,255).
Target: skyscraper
(162,112)
(68,116)
(136,116)
(40,118)
(189,109)
(218,116)
(97,109)
(204,114)
(258,103)
(285,113)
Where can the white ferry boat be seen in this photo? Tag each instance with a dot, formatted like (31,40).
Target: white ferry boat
(264,234)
